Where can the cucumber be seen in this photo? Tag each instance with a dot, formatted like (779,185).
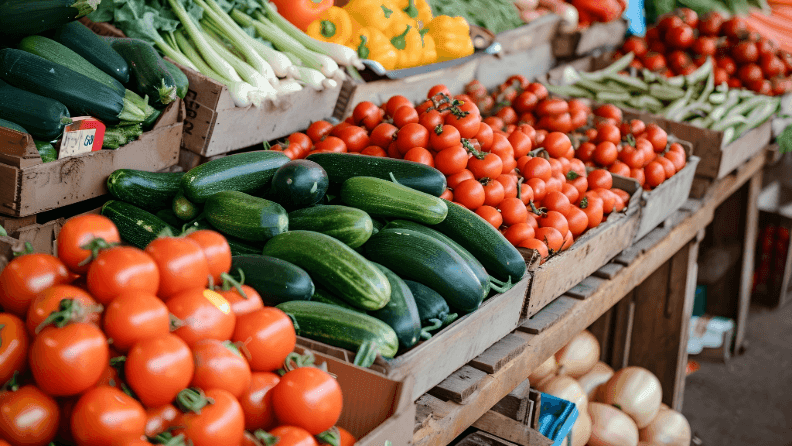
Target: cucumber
(342,166)
(351,226)
(276,280)
(416,256)
(136,226)
(431,305)
(484,242)
(149,190)
(43,118)
(401,312)
(46,151)
(183,208)
(334,266)
(245,216)
(80,39)
(388,199)
(19,18)
(322,295)
(341,327)
(148,72)
(182,83)
(299,184)
(245,172)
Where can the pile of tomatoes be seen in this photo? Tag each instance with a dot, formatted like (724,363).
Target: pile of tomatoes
(681,41)
(109,345)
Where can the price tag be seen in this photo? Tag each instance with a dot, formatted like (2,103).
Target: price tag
(76,142)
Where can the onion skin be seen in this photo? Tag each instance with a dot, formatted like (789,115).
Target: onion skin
(579,356)
(581,431)
(547,368)
(566,388)
(597,376)
(668,428)
(635,391)
(611,427)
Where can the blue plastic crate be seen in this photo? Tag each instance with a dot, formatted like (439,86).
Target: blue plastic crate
(556,418)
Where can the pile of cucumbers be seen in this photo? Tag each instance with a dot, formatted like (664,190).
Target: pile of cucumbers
(360,251)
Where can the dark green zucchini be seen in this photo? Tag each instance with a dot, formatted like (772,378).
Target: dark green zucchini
(245,216)
(322,295)
(170,218)
(416,256)
(299,184)
(249,172)
(400,313)
(12,126)
(182,83)
(341,167)
(149,190)
(432,308)
(19,18)
(46,151)
(349,225)
(485,242)
(43,118)
(276,280)
(148,72)
(136,226)
(78,38)
(149,122)
(82,95)
(392,200)
(184,208)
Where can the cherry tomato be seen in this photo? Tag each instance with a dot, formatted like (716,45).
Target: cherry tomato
(680,37)
(554,219)
(750,73)
(204,313)
(50,300)
(268,335)
(302,141)
(571,192)
(382,135)
(735,28)
(318,130)
(219,365)
(606,153)
(243,304)
(26,276)
(14,344)
(467,125)
(509,183)
(710,25)
(593,209)
(28,416)
(657,136)
(526,193)
(620,168)
(134,316)
(577,220)
(607,131)
(539,90)
(365,111)
(79,231)
(772,66)
(126,268)
(451,160)
(69,360)
(157,369)
(331,144)
(609,111)
(470,194)
(442,137)
(525,102)
(586,151)
(104,415)
(632,157)
(668,166)
(669,21)
(556,201)
(493,192)
(513,211)
(517,233)
(676,158)
(557,144)
(705,46)
(454,180)
(654,61)
(437,90)
(635,45)
(608,200)
(220,423)
(638,175)
(600,178)
(490,166)
(485,136)
(256,401)
(538,168)
(491,215)
(396,102)
(404,115)
(182,265)
(308,398)
(420,155)
(539,188)
(655,174)
(412,135)
(355,138)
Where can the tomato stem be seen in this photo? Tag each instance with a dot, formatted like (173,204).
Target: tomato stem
(13,384)
(572,175)
(69,310)
(95,246)
(584,203)
(233,347)
(266,438)
(167,439)
(295,360)
(229,282)
(366,354)
(538,211)
(175,322)
(192,400)
(331,436)
(472,150)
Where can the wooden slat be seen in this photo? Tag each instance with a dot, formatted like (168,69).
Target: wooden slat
(460,385)
(511,430)
(602,329)
(586,288)
(516,405)
(548,315)
(481,438)
(499,354)
(623,319)
(609,271)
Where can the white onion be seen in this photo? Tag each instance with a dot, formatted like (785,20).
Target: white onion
(544,370)
(668,428)
(611,427)
(566,388)
(635,391)
(598,375)
(581,431)
(579,356)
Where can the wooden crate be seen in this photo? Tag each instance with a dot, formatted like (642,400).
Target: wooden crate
(432,361)
(531,63)
(596,36)
(28,186)
(588,254)
(524,38)
(775,278)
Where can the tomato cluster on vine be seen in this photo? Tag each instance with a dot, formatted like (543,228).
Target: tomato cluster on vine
(109,345)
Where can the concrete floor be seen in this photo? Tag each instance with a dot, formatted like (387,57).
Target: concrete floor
(747,401)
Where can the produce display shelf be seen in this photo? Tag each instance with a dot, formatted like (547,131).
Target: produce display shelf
(439,422)
(597,36)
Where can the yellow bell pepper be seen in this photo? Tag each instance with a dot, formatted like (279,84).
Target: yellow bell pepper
(409,48)
(377,14)
(371,43)
(451,36)
(399,21)
(429,50)
(334,26)
(417,9)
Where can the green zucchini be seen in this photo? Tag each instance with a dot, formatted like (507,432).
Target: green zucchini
(276,280)
(432,308)
(43,118)
(182,83)
(299,184)
(136,226)
(148,190)
(322,295)
(245,172)
(341,327)
(148,72)
(245,216)
(12,126)
(349,225)
(183,208)
(341,167)
(149,122)
(19,18)
(81,94)
(484,242)
(46,151)
(170,218)
(388,199)
(400,313)
(333,265)
(80,39)
(419,257)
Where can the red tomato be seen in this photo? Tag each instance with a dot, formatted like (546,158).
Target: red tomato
(608,199)
(606,153)
(246,304)
(438,90)
(256,401)
(365,111)
(539,188)
(721,76)
(556,201)
(160,419)
(538,168)
(586,151)
(382,135)
(78,232)
(491,215)
(620,168)
(772,66)
(635,45)
(669,21)
(557,144)
(420,155)
(678,60)
(745,52)
(470,194)
(509,183)
(26,276)
(28,417)
(750,73)
(680,37)
(600,178)
(571,192)
(513,211)
(451,160)
(735,28)
(293,436)
(657,136)
(204,313)
(318,130)
(268,335)
(346,438)
(302,142)
(655,174)
(404,115)
(638,175)
(490,166)
(668,166)
(454,180)
(551,237)
(332,144)
(442,137)
(539,90)
(69,360)
(677,159)
(220,423)
(104,415)
(219,365)
(484,136)
(607,131)
(374,151)
(468,125)
(593,210)
(517,233)
(134,316)
(536,245)
(609,111)
(577,220)
(711,23)
(355,138)
(14,344)
(525,102)
(412,135)
(182,265)
(308,398)
(521,143)
(396,102)
(493,192)
(705,46)
(49,301)
(126,268)
(157,369)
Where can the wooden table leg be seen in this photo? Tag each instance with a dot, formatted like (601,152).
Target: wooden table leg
(749,250)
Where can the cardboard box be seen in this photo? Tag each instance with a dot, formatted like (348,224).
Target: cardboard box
(432,361)
(41,236)
(596,36)
(28,186)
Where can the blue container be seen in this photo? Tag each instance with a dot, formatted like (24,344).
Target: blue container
(556,418)
(636,17)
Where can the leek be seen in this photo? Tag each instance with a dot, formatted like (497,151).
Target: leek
(310,77)
(288,86)
(247,72)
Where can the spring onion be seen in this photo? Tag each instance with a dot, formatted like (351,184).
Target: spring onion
(247,72)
